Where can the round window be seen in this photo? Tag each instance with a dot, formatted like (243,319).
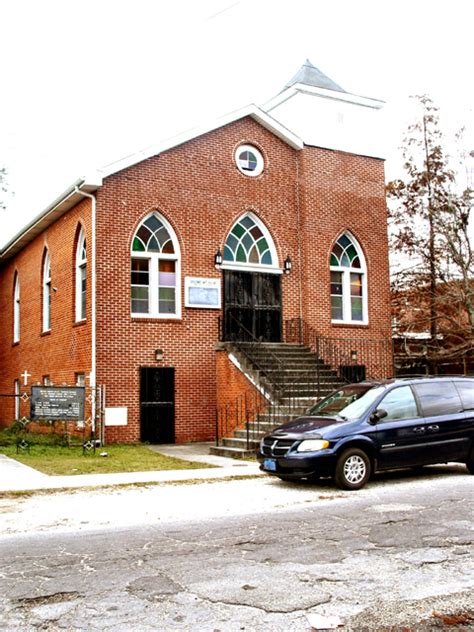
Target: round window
(249,160)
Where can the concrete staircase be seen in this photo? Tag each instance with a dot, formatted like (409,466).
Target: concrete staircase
(291,375)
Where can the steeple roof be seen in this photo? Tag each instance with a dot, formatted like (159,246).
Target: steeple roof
(309,75)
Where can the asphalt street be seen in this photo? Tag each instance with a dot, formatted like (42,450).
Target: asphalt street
(248,555)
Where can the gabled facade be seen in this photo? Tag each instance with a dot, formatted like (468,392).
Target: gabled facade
(236,229)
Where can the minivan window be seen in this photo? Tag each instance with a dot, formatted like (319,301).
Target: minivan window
(438,398)
(466,391)
(399,404)
(350,402)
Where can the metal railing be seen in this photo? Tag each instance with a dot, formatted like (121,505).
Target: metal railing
(241,413)
(258,345)
(355,359)
(88,432)
(338,360)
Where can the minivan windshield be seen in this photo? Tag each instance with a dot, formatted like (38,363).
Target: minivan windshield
(351,402)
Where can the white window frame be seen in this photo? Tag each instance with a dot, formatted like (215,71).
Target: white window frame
(16,310)
(80,379)
(16,386)
(254,267)
(81,266)
(153,274)
(46,293)
(346,286)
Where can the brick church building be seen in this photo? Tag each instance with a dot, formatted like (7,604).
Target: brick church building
(140,274)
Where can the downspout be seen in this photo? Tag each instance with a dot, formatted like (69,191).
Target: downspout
(300,256)
(92,382)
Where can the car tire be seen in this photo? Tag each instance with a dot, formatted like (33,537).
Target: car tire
(353,469)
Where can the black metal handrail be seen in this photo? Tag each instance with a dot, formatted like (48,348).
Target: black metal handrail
(343,352)
(348,359)
(258,344)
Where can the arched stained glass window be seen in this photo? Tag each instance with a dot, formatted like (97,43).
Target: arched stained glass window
(81,277)
(16,309)
(153,236)
(46,292)
(249,243)
(344,253)
(348,281)
(155,273)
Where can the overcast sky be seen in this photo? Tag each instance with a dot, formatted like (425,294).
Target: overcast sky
(87,82)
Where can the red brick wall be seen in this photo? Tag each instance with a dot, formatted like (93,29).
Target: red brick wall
(201,193)
(344,192)
(306,199)
(66,349)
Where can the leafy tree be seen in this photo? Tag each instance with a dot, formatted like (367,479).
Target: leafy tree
(429,219)
(3,187)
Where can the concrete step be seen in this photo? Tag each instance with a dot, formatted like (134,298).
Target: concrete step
(291,373)
(300,369)
(298,402)
(283,359)
(233,453)
(256,430)
(240,443)
(275,347)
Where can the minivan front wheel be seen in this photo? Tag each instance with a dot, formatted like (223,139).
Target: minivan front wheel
(352,469)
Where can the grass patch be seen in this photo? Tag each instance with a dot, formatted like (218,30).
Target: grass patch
(60,460)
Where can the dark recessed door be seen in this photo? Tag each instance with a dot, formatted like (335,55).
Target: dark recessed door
(157,405)
(252,306)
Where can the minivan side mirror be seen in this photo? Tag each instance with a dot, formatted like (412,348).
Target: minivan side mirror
(377,415)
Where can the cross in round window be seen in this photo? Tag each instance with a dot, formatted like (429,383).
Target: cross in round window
(249,160)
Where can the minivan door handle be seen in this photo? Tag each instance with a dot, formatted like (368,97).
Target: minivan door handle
(419,430)
(433,428)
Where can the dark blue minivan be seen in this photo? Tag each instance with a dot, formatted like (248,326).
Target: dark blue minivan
(373,426)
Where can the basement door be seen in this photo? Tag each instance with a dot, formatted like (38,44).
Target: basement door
(157,405)
(252,306)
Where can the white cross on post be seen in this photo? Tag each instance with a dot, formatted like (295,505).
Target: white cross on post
(25,375)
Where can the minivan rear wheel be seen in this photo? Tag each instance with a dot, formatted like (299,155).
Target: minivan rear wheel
(352,469)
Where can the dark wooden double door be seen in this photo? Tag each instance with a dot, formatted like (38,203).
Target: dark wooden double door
(252,306)
(157,405)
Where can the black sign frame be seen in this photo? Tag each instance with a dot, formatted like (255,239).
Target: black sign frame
(57,403)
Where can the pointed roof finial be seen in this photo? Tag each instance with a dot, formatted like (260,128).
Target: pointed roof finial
(309,75)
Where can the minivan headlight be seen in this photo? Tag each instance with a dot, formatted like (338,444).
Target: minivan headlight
(312,445)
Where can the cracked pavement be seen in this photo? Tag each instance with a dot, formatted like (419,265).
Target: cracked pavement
(249,555)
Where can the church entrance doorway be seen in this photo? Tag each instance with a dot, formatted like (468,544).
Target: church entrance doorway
(252,306)
(157,405)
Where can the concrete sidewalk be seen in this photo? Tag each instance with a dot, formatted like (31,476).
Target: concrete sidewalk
(15,476)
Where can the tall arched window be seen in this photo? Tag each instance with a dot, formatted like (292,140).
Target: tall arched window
(155,270)
(81,277)
(16,385)
(249,245)
(348,281)
(46,292)
(16,309)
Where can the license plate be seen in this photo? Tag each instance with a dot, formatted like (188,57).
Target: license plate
(270,465)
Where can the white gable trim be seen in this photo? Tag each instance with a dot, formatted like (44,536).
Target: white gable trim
(325,94)
(50,214)
(71,197)
(251,110)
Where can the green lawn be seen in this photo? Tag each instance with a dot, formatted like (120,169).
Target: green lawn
(59,460)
